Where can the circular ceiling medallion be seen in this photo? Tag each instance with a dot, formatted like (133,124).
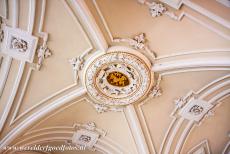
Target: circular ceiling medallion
(118,78)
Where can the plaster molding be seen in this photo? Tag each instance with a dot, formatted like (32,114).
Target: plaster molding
(16,117)
(145,127)
(19,44)
(156,91)
(201,148)
(1,30)
(136,129)
(103,20)
(183,107)
(177,4)
(87,19)
(69,7)
(101,108)
(21,96)
(195,109)
(78,64)
(225,23)
(5,9)
(43,52)
(4,71)
(158,9)
(178,18)
(9,60)
(67,134)
(226,149)
(174,65)
(56,129)
(12,95)
(224,2)
(139,42)
(87,135)
(193,52)
(204,24)
(33,129)
(17,130)
(22,61)
(115,60)
(173,3)
(35,66)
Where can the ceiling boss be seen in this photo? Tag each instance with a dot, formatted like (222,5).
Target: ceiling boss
(118,78)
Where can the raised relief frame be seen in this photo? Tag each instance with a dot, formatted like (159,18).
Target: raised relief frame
(195,109)
(19,44)
(118,77)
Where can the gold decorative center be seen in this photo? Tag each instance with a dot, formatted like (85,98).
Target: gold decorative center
(118,79)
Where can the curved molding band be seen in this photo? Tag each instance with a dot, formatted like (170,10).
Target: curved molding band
(40,114)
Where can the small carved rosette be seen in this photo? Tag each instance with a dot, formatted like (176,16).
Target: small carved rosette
(118,78)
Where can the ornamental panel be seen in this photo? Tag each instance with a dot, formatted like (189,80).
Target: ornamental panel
(118,78)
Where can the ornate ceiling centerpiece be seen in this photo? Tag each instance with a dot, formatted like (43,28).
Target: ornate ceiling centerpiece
(118,78)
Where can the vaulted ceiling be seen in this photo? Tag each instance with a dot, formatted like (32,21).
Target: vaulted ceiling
(115,76)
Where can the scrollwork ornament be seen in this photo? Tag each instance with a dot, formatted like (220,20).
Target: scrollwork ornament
(196,110)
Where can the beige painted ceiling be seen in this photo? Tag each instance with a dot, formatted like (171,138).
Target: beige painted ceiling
(42,106)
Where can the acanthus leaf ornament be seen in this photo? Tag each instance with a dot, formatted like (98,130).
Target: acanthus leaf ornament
(43,52)
(156,90)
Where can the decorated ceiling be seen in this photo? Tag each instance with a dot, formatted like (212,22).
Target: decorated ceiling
(114,76)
